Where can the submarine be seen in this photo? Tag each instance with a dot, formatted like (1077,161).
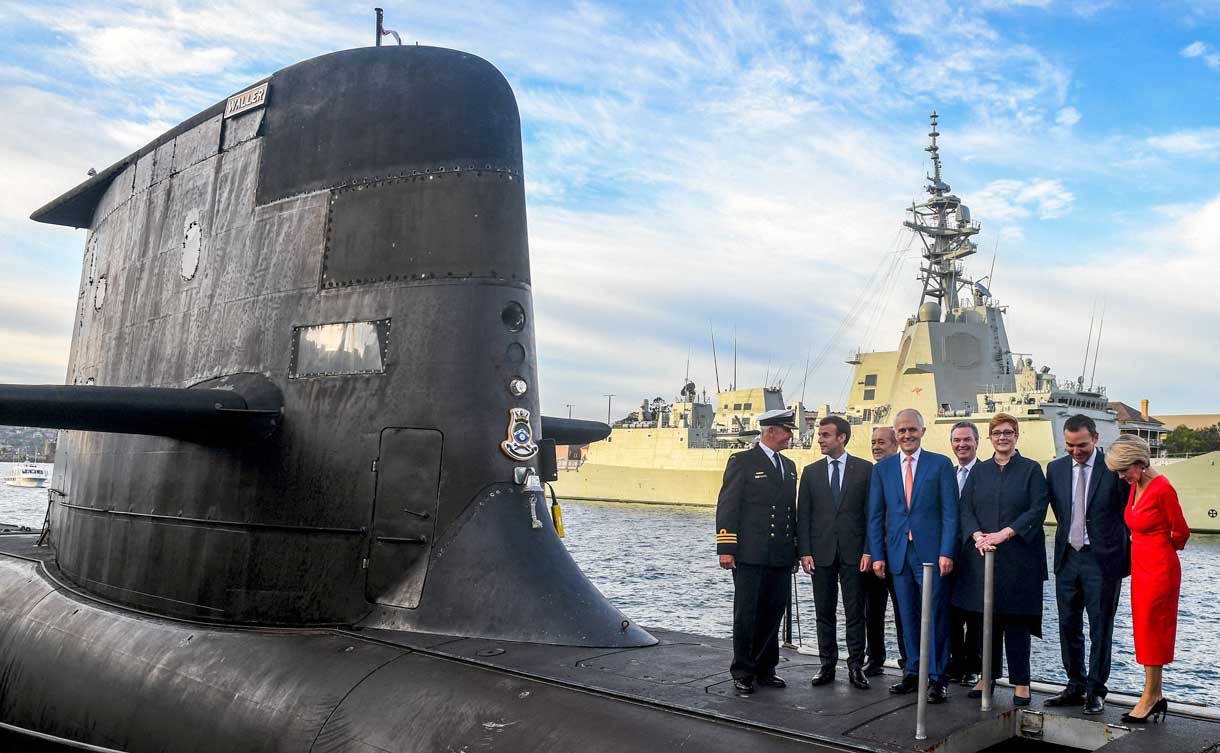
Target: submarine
(298,503)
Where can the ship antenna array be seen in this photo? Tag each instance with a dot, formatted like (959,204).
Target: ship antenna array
(1097,349)
(715,361)
(1088,343)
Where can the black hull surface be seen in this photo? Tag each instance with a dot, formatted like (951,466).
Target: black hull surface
(157,684)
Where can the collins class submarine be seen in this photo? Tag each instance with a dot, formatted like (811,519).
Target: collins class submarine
(298,499)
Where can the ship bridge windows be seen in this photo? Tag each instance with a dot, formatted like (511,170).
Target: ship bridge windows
(340,348)
(870,394)
(870,380)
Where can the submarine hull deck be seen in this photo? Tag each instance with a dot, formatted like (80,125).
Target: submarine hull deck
(159,684)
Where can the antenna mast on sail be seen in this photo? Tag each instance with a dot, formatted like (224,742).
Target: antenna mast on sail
(943,225)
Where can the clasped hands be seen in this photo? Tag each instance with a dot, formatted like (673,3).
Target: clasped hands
(987,542)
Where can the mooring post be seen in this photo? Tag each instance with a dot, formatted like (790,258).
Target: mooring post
(988,626)
(925,641)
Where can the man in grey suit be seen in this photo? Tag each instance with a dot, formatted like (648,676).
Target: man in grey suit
(832,537)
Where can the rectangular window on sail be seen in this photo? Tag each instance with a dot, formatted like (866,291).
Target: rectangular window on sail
(870,380)
(870,394)
(340,349)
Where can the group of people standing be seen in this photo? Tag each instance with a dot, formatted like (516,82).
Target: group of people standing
(864,530)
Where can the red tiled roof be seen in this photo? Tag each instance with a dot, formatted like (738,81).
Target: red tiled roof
(1128,414)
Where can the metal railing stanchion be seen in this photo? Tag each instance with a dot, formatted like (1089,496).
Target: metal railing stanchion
(925,640)
(988,626)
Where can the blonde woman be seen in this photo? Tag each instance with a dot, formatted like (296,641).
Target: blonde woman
(1158,531)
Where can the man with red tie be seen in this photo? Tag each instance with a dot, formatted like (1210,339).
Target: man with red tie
(913,520)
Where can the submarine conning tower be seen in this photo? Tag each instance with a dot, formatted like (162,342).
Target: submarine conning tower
(343,246)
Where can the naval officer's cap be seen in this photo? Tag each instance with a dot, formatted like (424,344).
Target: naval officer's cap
(783,417)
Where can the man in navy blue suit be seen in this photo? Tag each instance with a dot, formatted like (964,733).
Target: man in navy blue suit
(912,519)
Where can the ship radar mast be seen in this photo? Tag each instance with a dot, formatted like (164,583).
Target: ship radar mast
(944,227)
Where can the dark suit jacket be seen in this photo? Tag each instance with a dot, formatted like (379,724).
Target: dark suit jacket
(1108,494)
(996,497)
(932,517)
(824,532)
(756,510)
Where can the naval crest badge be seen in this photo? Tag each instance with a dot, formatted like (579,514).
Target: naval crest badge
(519,444)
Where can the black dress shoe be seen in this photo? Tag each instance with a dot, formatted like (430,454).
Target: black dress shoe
(1066,697)
(743,687)
(969,680)
(774,681)
(1094,704)
(873,667)
(978,692)
(937,692)
(857,678)
(909,684)
(825,675)
(1018,700)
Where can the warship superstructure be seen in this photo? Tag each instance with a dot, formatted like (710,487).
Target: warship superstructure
(953,363)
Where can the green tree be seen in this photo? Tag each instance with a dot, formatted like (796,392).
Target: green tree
(1186,441)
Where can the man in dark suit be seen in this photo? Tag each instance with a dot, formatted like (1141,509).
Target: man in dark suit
(878,590)
(1091,560)
(912,519)
(832,531)
(965,629)
(756,540)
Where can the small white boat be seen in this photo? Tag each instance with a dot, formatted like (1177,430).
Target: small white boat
(27,475)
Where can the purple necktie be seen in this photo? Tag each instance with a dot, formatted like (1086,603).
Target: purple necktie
(1076,535)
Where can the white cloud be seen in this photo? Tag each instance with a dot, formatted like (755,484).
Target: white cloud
(1205,51)
(1068,117)
(1010,199)
(1192,142)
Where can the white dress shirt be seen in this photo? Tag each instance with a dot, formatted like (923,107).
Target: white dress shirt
(961,477)
(830,468)
(770,455)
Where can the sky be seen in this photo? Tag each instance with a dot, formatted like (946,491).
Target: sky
(736,168)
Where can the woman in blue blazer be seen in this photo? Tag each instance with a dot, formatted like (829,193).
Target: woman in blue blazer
(1002,509)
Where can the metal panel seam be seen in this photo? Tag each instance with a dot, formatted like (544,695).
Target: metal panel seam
(352,689)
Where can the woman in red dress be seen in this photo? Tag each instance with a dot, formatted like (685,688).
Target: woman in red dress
(1158,531)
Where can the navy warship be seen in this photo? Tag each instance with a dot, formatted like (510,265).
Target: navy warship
(298,503)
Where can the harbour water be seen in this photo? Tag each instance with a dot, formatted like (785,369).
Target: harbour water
(657,564)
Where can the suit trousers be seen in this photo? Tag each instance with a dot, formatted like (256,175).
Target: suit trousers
(760,596)
(1010,635)
(908,584)
(877,590)
(965,643)
(1081,588)
(827,582)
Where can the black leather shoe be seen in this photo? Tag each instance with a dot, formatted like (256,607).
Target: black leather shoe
(978,692)
(872,668)
(969,680)
(909,684)
(774,681)
(1021,700)
(743,687)
(1066,697)
(825,675)
(937,692)
(857,678)
(1094,704)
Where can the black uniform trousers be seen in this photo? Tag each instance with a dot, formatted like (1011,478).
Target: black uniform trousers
(1080,588)
(876,591)
(760,596)
(827,581)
